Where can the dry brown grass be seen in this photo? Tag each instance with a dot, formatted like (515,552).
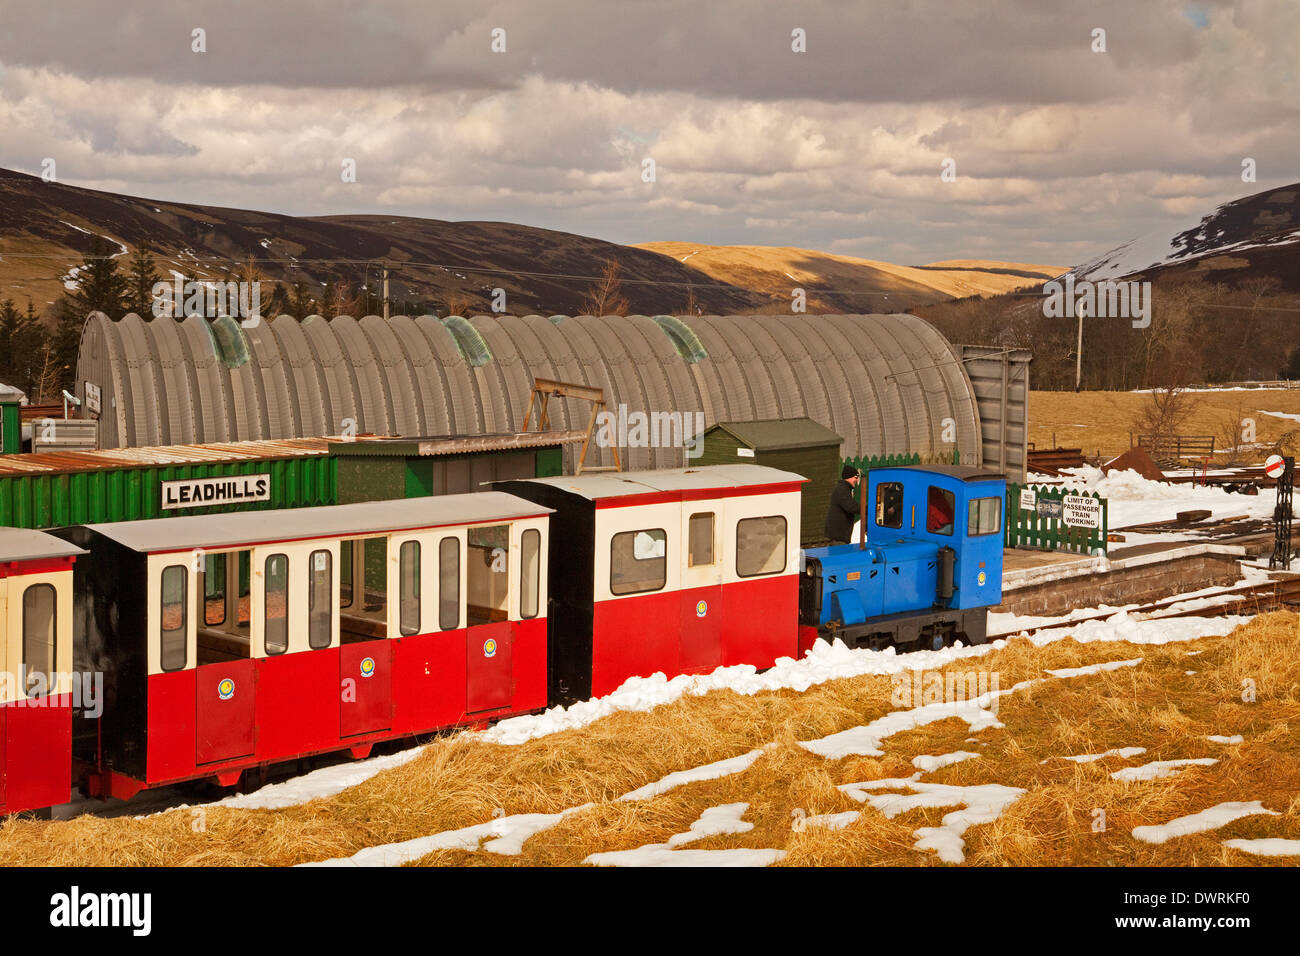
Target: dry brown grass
(461,781)
(1101,421)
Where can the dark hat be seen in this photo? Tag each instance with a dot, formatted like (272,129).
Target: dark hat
(848,472)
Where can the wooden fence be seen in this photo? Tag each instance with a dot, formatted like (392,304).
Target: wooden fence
(1055,519)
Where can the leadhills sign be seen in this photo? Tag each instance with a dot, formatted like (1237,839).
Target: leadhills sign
(206,492)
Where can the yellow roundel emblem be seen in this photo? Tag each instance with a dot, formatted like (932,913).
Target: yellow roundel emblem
(368,667)
(489,648)
(701,608)
(226,688)
(981,578)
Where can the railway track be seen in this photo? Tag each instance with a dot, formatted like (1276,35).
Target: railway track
(1245,599)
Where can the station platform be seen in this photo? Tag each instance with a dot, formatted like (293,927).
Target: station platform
(1051,582)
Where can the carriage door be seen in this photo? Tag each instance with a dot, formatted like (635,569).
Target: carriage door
(387,589)
(701,593)
(226,674)
(489,675)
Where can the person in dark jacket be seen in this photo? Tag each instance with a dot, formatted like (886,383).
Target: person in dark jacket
(843,510)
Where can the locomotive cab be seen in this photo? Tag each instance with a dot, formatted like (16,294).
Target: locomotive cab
(930,567)
(35,669)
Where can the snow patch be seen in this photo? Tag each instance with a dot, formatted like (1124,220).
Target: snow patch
(928,764)
(714,821)
(1159,769)
(1211,819)
(1124,752)
(1220,739)
(1268,846)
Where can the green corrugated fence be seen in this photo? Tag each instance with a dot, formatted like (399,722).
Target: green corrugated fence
(128,494)
(1042,522)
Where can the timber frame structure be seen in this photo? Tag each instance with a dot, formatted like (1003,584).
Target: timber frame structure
(544,389)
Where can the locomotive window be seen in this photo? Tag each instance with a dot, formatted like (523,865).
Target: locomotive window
(889,504)
(38,639)
(214,589)
(320,607)
(760,546)
(276,636)
(984,516)
(449,584)
(174,648)
(409,583)
(940,510)
(637,561)
(530,572)
(699,551)
(345,574)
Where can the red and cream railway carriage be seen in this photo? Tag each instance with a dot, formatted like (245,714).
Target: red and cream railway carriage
(248,639)
(35,669)
(677,571)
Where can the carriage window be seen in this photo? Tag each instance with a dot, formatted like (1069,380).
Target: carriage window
(214,589)
(449,584)
(345,574)
(530,572)
(700,547)
(409,582)
(941,508)
(760,546)
(277,604)
(488,574)
(320,607)
(984,516)
(889,504)
(174,649)
(38,639)
(638,561)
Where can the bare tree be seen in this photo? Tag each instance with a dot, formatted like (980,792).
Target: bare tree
(606,296)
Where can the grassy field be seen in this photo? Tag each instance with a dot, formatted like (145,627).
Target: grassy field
(1100,422)
(1155,703)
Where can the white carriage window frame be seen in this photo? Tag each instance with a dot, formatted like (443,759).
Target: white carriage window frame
(47,640)
(743,547)
(267,591)
(710,539)
(530,573)
(168,641)
(317,612)
(657,537)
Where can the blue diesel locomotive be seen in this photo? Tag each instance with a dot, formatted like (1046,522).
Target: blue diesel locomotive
(930,568)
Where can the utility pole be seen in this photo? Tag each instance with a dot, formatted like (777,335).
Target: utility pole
(385,291)
(1078,358)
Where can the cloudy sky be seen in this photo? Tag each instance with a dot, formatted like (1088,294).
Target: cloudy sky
(1060,152)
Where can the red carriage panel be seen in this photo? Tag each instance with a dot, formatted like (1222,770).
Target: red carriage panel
(226,697)
(489,674)
(634,637)
(297,703)
(366,687)
(759,620)
(173,725)
(428,681)
(529,653)
(38,753)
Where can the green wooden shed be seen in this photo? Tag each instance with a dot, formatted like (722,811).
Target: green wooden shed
(800,445)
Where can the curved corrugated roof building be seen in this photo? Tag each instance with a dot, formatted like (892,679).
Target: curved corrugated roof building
(886,383)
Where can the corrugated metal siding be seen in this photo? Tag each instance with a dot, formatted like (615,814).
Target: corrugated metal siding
(887,383)
(999,382)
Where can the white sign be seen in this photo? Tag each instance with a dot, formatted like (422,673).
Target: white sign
(1028,499)
(210,492)
(93,398)
(1081,511)
(1273,466)
(744,453)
